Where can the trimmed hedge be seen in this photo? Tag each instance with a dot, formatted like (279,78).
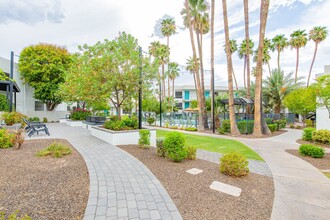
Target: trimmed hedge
(234,164)
(272,127)
(174,146)
(308,134)
(321,136)
(311,150)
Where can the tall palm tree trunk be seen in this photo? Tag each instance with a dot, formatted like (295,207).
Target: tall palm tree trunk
(236,85)
(163,82)
(196,72)
(297,64)
(270,72)
(173,94)
(310,70)
(212,62)
(259,128)
(244,72)
(168,89)
(233,126)
(278,59)
(247,37)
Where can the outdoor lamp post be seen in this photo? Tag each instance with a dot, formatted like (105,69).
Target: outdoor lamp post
(140,90)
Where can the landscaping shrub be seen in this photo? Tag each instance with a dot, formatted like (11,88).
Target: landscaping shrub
(298,127)
(272,127)
(6,138)
(281,123)
(130,122)
(144,140)
(150,120)
(292,126)
(79,114)
(190,129)
(311,150)
(11,118)
(191,152)
(269,121)
(308,133)
(4,105)
(56,150)
(234,164)
(44,120)
(245,126)
(126,123)
(174,146)
(321,136)
(114,125)
(34,119)
(225,127)
(309,123)
(160,146)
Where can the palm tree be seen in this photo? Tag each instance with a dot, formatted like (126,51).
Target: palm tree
(277,86)
(190,66)
(297,41)
(189,23)
(212,62)
(265,54)
(173,73)
(233,125)
(260,126)
(243,52)
(279,43)
(168,29)
(317,34)
(233,49)
(247,39)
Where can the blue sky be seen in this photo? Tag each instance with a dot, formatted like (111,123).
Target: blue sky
(75,22)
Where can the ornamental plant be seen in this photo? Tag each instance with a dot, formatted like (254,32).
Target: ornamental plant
(150,120)
(308,134)
(7,139)
(11,118)
(321,136)
(311,150)
(160,146)
(234,164)
(56,150)
(191,152)
(174,146)
(79,114)
(144,140)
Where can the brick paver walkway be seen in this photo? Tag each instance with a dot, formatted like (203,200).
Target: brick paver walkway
(121,187)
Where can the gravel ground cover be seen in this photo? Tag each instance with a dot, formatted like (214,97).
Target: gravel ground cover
(194,198)
(43,187)
(319,163)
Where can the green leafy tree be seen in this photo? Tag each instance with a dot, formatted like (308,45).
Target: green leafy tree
(322,88)
(297,41)
(317,34)
(3,76)
(173,72)
(301,101)
(42,66)
(280,42)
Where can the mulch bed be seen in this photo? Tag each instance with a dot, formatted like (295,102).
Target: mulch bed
(300,141)
(43,187)
(319,163)
(194,198)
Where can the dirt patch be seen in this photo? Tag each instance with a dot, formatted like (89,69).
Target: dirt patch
(43,187)
(194,198)
(319,163)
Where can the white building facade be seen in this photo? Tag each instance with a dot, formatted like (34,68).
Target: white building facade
(322,114)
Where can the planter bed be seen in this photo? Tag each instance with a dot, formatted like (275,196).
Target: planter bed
(72,123)
(121,137)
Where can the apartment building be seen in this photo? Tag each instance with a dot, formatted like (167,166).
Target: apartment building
(322,113)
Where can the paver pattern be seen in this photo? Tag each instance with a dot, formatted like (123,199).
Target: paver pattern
(121,187)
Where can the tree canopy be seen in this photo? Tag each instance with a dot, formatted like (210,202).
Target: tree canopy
(42,66)
(322,88)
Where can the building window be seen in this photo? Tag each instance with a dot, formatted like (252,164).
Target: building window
(186,95)
(178,105)
(178,95)
(207,94)
(186,105)
(39,106)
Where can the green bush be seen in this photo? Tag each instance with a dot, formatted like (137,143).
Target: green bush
(150,120)
(190,129)
(34,119)
(11,118)
(321,136)
(311,150)
(309,123)
(225,127)
(292,126)
(245,126)
(191,152)
(4,104)
(272,127)
(174,146)
(234,164)
(298,127)
(130,122)
(144,140)
(308,134)
(56,150)
(79,114)
(126,123)
(269,121)
(281,123)
(160,146)
(6,138)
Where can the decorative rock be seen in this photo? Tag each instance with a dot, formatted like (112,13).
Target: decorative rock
(194,171)
(225,188)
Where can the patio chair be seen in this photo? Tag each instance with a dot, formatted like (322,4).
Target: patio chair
(35,127)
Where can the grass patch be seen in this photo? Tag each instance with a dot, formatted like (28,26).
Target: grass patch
(56,150)
(327,174)
(218,145)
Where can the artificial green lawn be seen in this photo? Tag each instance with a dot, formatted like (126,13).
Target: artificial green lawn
(218,145)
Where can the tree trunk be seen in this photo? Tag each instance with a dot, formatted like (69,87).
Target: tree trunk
(270,72)
(169,89)
(244,72)
(198,91)
(173,101)
(118,109)
(278,59)
(246,19)
(310,70)
(163,81)
(234,78)
(233,126)
(259,122)
(212,62)
(297,63)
